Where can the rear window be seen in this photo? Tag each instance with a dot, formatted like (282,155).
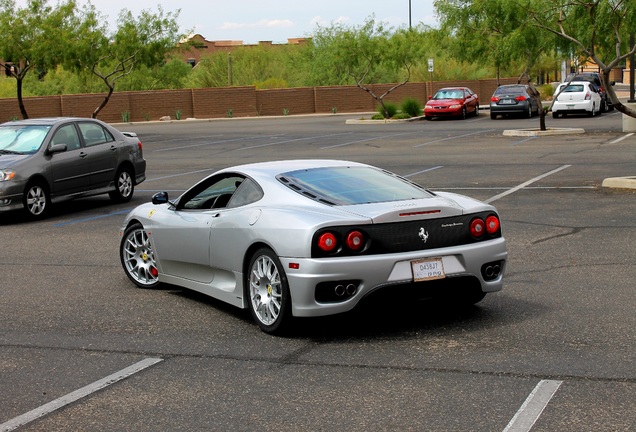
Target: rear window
(576,88)
(351,185)
(511,90)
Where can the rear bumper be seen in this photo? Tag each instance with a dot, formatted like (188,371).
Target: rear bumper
(376,272)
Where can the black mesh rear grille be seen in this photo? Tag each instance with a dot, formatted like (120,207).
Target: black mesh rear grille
(407,236)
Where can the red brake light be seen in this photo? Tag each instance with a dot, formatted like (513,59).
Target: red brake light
(355,240)
(477,227)
(492,224)
(494,99)
(327,242)
(520,98)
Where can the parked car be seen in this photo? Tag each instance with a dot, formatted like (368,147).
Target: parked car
(48,160)
(313,237)
(595,78)
(577,97)
(513,99)
(452,102)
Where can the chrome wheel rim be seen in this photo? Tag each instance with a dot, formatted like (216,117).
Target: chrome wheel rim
(36,200)
(266,290)
(139,259)
(124,184)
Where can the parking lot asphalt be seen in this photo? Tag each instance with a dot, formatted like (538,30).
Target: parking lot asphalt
(82,349)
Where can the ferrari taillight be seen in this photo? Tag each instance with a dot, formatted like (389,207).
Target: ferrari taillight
(492,224)
(327,242)
(477,227)
(355,240)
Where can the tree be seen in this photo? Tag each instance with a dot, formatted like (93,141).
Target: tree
(595,29)
(498,31)
(146,40)
(34,38)
(367,54)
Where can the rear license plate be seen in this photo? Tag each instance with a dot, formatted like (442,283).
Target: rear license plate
(428,269)
(506,101)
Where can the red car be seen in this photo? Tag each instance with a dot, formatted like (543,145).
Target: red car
(452,102)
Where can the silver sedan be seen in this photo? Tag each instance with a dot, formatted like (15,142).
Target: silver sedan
(307,238)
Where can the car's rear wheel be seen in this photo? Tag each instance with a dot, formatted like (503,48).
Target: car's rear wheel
(529,110)
(269,299)
(124,186)
(476,110)
(36,200)
(493,116)
(593,112)
(555,115)
(138,258)
(464,113)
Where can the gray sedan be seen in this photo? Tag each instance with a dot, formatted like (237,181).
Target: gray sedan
(43,161)
(308,238)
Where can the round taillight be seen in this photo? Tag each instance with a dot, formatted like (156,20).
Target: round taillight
(492,224)
(477,227)
(355,240)
(327,242)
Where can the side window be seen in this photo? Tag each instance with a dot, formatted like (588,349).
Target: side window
(247,193)
(67,134)
(94,134)
(214,192)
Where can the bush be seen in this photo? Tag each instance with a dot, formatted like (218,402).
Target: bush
(391,110)
(412,107)
(546,91)
(402,116)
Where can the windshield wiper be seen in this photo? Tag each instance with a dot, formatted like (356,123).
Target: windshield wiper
(9,152)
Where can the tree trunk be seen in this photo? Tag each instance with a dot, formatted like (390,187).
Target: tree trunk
(104,102)
(18,79)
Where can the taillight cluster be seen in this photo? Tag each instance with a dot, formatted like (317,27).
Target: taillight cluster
(331,242)
(520,98)
(479,227)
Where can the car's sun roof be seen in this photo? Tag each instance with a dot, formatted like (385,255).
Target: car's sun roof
(351,185)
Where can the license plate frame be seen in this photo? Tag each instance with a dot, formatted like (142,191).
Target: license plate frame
(428,269)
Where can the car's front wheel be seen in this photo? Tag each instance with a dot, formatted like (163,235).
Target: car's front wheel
(269,299)
(124,186)
(36,200)
(138,258)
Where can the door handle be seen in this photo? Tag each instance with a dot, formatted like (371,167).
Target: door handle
(83,155)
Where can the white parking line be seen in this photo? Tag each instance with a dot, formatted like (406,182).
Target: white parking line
(452,138)
(533,406)
(529,182)
(77,394)
(616,141)
(423,171)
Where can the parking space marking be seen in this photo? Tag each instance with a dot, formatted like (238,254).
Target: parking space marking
(423,171)
(533,406)
(522,141)
(366,140)
(529,182)
(290,140)
(77,394)
(616,141)
(75,221)
(452,138)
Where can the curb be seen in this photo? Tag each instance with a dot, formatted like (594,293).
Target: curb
(620,182)
(539,132)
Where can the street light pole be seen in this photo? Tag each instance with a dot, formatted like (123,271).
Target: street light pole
(409,14)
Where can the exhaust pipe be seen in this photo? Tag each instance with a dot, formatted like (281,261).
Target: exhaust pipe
(351,289)
(340,290)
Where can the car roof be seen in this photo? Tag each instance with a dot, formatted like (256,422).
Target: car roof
(48,121)
(273,168)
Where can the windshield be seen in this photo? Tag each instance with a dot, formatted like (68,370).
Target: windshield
(449,94)
(22,139)
(352,185)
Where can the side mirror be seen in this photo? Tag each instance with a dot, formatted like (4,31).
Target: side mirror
(430,97)
(57,148)
(160,198)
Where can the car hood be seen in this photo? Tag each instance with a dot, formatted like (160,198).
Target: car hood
(7,161)
(439,206)
(438,102)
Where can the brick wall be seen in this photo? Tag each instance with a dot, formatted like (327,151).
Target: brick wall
(242,101)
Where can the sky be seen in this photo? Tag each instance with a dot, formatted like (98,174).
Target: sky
(252,21)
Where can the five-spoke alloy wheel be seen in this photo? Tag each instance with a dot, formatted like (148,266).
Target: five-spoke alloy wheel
(268,291)
(124,186)
(36,200)
(137,257)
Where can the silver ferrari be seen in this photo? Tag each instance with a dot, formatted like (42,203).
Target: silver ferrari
(306,238)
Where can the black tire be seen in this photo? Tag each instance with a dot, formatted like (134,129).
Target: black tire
(493,116)
(555,115)
(267,291)
(464,115)
(137,257)
(476,110)
(36,200)
(124,186)
(604,106)
(529,110)
(593,112)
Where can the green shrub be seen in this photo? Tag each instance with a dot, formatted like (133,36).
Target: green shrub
(412,107)
(391,110)
(377,116)
(402,116)
(546,91)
